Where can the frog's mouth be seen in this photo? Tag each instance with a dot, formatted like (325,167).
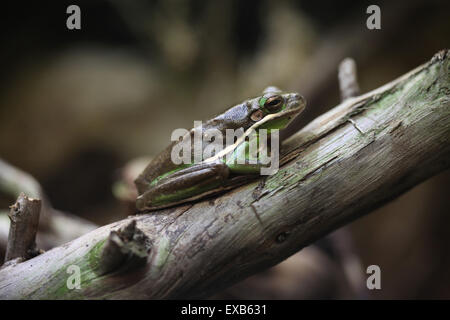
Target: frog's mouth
(295,102)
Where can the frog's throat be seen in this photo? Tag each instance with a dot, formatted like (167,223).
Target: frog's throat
(241,139)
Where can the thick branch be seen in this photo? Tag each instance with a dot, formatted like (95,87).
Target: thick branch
(332,174)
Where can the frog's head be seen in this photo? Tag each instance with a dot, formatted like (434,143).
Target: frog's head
(275,109)
(272,110)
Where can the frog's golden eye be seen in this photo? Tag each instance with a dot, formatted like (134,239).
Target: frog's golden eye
(257,115)
(274,103)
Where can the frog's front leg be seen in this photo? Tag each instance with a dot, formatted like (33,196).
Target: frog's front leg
(242,162)
(190,183)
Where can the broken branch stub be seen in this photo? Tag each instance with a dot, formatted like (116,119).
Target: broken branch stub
(24,216)
(124,249)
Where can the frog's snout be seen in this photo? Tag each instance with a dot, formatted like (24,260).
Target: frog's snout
(295,96)
(295,100)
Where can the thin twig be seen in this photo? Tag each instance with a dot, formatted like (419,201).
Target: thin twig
(348,84)
(55,226)
(348,80)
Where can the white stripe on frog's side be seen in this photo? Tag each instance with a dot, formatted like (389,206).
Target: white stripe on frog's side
(242,138)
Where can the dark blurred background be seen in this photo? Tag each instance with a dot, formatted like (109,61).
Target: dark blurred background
(77,105)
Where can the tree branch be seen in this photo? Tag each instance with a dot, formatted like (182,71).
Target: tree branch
(332,174)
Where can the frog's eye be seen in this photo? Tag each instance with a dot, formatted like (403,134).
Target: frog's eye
(257,115)
(274,103)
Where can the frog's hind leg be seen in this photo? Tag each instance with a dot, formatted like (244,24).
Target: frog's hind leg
(184,185)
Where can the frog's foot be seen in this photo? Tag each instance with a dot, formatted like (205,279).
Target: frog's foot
(184,185)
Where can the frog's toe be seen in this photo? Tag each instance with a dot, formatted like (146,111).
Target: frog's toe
(140,203)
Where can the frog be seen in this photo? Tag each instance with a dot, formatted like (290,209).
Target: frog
(164,183)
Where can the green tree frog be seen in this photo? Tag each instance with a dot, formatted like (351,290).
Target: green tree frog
(164,183)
